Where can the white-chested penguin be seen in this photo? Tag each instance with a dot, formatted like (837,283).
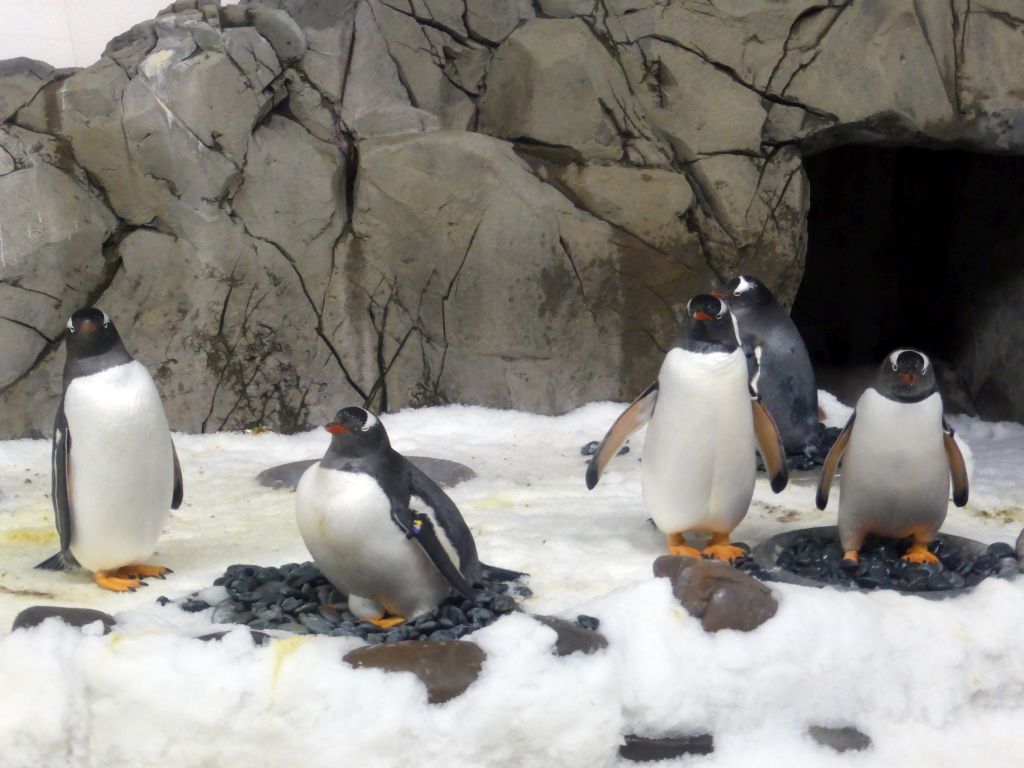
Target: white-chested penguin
(898,454)
(778,357)
(115,471)
(379,529)
(704,422)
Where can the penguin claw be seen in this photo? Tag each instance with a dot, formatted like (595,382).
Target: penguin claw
(113,582)
(141,571)
(725,552)
(918,553)
(683,550)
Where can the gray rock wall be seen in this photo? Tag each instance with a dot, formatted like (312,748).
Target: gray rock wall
(292,206)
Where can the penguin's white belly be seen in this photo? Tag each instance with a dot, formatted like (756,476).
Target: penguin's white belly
(121,473)
(698,461)
(895,473)
(345,521)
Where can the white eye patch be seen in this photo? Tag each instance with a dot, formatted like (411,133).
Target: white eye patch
(896,354)
(71,326)
(743,287)
(371,420)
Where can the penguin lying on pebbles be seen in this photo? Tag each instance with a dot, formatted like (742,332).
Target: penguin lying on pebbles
(778,356)
(705,420)
(379,529)
(898,454)
(115,471)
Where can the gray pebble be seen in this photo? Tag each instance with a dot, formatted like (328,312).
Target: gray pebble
(289,604)
(316,623)
(480,615)
(503,604)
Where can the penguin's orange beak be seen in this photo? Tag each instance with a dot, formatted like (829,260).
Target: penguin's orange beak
(87,326)
(718,294)
(336,429)
(702,316)
(909,378)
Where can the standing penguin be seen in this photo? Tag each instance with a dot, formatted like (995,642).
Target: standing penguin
(379,529)
(898,453)
(115,471)
(698,461)
(778,357)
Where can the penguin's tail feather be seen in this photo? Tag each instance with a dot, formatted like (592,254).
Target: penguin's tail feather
(494,573)
(62,561)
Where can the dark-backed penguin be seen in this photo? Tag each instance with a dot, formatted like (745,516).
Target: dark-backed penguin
(704,422)
(115,471)
(779,366)
(379,529)
(898,454)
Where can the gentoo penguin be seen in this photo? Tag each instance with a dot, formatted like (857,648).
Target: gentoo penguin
(705,420)
(898,453)
(115,471)
(777,356)
(379,529)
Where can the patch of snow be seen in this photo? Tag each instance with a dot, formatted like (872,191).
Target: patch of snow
(928,681)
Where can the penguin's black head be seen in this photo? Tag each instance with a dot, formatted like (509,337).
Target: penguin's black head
(746,292)
(906,375)
(710,327)
(90,332)
(356,432)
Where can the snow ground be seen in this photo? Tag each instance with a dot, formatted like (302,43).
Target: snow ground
(930,682)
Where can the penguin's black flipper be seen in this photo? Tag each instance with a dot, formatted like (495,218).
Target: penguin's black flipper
(828,469)
(495,573)
(957,466)
(419,526)
(633,418)
(423,532)
(769,442)
(179,488)
(447,515)
(60,495)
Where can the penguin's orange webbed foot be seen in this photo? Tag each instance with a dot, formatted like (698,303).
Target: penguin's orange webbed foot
(683,550)
(852,555)
(115,583)
(141,571)
(726,552)
(388,621)
(677,546)
(918,553)
(720,548)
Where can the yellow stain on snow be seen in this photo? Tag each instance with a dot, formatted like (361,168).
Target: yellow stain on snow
(491,502)
(282,650)
(32,535)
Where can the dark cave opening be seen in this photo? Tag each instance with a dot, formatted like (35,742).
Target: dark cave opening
(915,247)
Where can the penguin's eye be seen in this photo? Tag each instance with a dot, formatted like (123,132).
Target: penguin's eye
(737,293)
(894,366)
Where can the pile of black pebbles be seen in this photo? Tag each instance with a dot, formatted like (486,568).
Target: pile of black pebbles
(297,598)
(820,559)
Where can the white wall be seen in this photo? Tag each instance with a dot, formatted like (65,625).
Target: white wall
(67,33)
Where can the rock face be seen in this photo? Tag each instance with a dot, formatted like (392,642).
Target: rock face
(295,205)
(717,594)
